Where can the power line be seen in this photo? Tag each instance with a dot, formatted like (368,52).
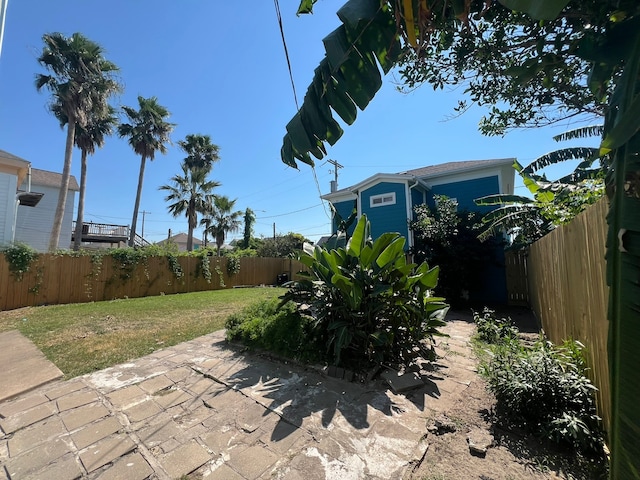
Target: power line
(290,213)
(286,52)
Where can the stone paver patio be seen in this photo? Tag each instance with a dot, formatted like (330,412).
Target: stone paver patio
(209,410)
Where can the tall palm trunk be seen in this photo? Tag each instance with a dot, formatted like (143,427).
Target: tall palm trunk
(64,187)
(77,236)
(193,223)
(134,220)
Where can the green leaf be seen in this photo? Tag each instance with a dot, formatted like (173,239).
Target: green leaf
(337,47)
(286,152)
(430,279)
(538,9)
(581,132)
(306,6)
(337,96)
(359,237)
(626,126)
(300,139)
(391,253)
(361,79)
(561,155)
(502,199)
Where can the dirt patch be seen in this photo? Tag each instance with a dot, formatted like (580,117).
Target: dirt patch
(466,440)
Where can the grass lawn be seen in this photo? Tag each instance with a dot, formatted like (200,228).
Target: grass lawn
(82,338)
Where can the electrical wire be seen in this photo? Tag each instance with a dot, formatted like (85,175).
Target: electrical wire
(290,213)
(286,52)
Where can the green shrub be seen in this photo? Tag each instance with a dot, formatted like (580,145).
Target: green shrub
(280,330)
(490,329)
(369,305)
(543,388)
(19,256)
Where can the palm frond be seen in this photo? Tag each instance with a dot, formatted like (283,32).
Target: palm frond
(562,155)
(582,132)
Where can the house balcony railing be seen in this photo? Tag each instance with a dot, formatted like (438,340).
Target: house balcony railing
(107,233)
(102,233)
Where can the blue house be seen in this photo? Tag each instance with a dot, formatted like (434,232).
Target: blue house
(388,199)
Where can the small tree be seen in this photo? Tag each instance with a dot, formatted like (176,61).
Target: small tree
(448,238)
(249,219)
(223,219)
(288,245)
(189,193)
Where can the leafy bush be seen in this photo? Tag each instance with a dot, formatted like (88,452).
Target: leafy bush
(449,238)
(369,305)
(490,329)
(281,330)
(19,257)
(543,388)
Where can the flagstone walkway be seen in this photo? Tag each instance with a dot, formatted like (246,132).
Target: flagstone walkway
(210,410)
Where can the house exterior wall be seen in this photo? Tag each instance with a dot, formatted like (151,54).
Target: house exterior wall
(466,191)
(386,218)
(344,209)
(8,185)
(418,197)
(34,224)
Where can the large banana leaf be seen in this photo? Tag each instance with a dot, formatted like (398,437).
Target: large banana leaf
(347,78)
(623,269)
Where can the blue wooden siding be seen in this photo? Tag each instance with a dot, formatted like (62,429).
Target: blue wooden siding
(417,198)
(466,192)
(386,218)
(344,209)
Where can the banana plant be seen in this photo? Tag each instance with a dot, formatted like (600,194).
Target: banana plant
(370,305)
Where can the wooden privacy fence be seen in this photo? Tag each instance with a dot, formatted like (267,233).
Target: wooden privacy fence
(569,294)
(515,262)
(57,279)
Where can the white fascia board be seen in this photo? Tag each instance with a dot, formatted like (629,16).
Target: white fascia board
(382,177)
(342,196)
(353,192)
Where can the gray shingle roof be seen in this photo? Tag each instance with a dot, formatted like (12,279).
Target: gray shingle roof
(444,169)
(452,167)
(11,156)
(51,179)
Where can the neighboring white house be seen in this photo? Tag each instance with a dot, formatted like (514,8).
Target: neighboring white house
(28,200)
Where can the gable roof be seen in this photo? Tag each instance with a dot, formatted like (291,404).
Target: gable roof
(455,167)
(10,156)
(51,179)
(424,173)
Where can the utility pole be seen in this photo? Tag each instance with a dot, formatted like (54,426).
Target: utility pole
(336,166)
(143,214)
(274,230)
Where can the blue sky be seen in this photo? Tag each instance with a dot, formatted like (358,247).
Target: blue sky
(220,69)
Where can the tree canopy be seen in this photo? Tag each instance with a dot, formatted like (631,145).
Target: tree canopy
(80,80)
(528,72)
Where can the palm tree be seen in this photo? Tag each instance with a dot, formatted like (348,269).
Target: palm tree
(224,220)
(148,133)
(81,80)
(100,124)
(201,153)
(189,193)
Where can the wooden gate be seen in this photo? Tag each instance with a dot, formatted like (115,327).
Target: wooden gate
(516,272)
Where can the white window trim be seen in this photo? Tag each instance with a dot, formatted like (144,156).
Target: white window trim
(382,196)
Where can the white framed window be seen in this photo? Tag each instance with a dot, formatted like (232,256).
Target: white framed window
(382,199)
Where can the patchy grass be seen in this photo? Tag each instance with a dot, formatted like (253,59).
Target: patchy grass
(82,338)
